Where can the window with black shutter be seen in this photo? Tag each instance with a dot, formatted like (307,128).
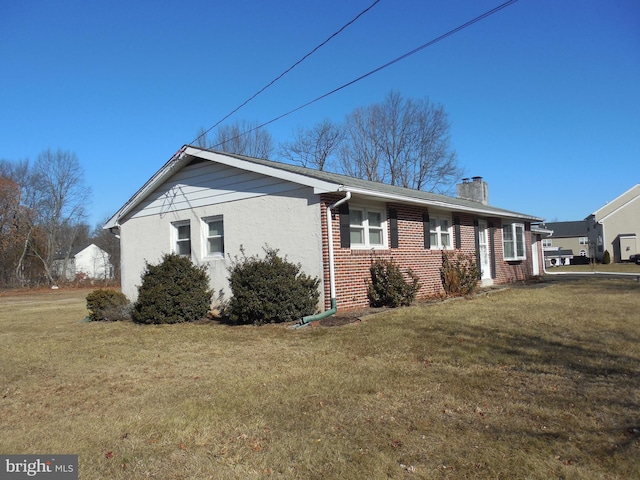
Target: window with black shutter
(393,227)
(345,230)
(457,232)
(426,226)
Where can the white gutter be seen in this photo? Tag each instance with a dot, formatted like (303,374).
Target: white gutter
(332,270)
(444,205)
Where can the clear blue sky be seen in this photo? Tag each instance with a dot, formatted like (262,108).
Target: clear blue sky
(543,97)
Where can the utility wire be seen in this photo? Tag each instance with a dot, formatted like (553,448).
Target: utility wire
(382,67)
(286,71)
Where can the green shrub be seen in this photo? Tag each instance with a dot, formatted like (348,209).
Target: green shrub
(108,306)
(606,258)
(173,291)
(459,273)
(388,286)
(270,290)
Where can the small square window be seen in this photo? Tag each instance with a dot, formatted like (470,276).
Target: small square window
(375,228)
(440,233)
(513,242)
(356,219)
(214,237)
(367,227)
(182,235)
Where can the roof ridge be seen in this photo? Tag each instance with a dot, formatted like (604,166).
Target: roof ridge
(352,182)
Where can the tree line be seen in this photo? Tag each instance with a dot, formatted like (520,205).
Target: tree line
(43,217)
(398,141)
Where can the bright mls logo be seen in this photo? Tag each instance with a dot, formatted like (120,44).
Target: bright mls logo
(50,467)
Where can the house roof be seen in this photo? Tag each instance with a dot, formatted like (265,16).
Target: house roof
(320,181)
(567,229)
(564,252)
(75,250)
(631,195)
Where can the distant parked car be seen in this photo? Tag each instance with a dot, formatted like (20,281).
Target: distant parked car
(635,258)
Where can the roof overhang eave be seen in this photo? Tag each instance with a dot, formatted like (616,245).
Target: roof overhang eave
(489,212)
(175,162)
(319,186)
(187,153)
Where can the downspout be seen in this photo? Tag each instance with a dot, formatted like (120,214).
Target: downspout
(332,271)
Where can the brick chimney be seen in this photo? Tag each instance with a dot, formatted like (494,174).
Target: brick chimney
(474,189)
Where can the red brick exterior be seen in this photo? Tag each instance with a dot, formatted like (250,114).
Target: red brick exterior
(352,265)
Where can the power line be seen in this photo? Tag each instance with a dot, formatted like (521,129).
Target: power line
(382,67)
(287,71)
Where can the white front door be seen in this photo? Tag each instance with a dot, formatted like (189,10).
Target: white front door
(483,252)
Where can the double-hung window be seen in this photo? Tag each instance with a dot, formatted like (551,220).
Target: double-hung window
(513,242)
(367,227)
(214,236)
(182,238)
(440,232)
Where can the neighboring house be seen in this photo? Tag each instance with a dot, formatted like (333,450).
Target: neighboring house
(616,227)
(568,243)
(208,204)
(89,262)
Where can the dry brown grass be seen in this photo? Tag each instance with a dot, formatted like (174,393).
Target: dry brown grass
(536,382)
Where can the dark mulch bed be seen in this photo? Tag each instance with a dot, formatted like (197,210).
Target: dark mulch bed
(354,316)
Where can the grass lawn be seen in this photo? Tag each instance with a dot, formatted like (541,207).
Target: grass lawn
(531,382)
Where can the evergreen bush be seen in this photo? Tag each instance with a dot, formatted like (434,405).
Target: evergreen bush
(108,306)
(606,257)
(270,290)
(173,291)
(388,286)
(459,273)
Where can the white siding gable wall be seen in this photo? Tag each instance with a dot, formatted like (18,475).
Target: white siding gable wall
(94,262)
(257,210)
(207,183)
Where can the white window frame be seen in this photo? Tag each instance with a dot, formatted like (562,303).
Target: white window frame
(206,237)
(366,228)
(518,240)
(176,234)
(438,233)
(583,240)
(547,243)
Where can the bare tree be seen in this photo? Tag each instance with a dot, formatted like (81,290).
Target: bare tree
(313,147)
(201,139)
(72,235)
(242,138)
(360,154)
(25,232)
(9,232)
(110,243)
(400,142)
(60,198)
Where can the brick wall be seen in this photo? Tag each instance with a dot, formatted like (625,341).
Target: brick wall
(352,265)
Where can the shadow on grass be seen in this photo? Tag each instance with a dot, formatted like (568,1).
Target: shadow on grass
(535,353)
(586,388)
